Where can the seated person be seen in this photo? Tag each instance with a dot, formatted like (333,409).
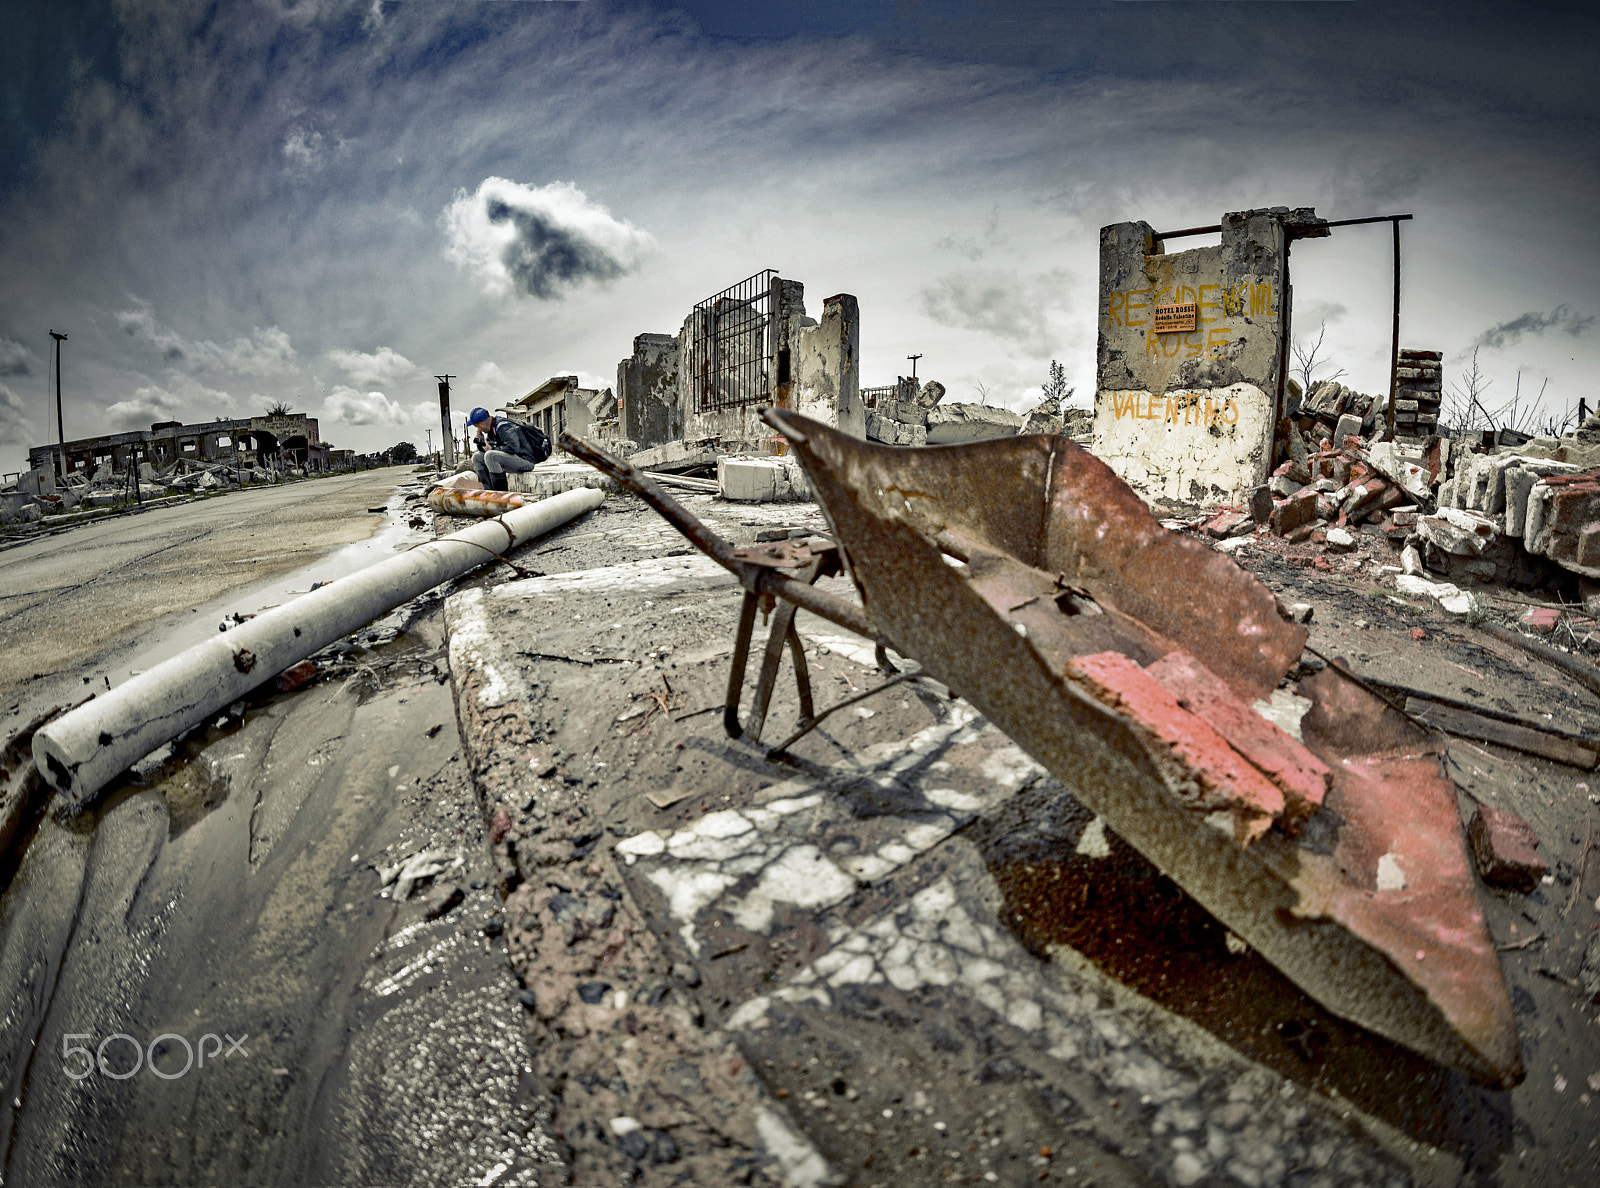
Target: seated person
(504,447)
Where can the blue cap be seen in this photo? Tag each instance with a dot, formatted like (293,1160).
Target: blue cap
(476,415)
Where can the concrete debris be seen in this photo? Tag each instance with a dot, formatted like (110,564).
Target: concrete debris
(1589,976)
(1340,541)
(1505,849)
(762,480)
(897,423)
(1462,533)
(1452,598)
(951,424)
(415,868)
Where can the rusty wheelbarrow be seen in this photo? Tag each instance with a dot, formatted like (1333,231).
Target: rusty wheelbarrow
(1141,668)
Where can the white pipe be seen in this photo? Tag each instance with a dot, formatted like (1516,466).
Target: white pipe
(84,750)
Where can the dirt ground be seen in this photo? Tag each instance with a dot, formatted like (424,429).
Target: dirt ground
(690,1017)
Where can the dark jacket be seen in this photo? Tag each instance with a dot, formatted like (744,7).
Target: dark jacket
(525,441)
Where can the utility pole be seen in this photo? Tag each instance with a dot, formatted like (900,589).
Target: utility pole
(61,433)
(913,359)
(431,458)
(444,419)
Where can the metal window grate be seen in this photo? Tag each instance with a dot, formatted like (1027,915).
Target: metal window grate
(887,394)
(734,345)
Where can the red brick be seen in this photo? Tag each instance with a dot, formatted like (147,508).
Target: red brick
(292,678)
(1542,619)
(1224,522)
(1300,508)
(1226,779)
(1300,775)
(1506,849)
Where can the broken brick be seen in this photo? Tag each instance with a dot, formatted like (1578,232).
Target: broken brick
(1223,523)
(1506,849)
(1301,533)
(1303,778)
(1226,780)
(1541,619)
(1261,505)
(293,677)
(1295,511)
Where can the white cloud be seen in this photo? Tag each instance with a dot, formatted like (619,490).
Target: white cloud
(15,427)
(490,385)
(303,148)
(16,359)
(351,407)
(264,352)
(383,366)
(146,406)
(183,399)
(539,240)
(1001,303)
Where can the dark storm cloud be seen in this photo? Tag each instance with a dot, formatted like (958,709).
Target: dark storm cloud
(16,359)
(545,256)
(540,240)
(1533,322)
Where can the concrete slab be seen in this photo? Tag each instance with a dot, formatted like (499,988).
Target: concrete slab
(552,478)
(845,967)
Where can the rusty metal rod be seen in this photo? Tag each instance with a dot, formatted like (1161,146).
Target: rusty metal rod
(808,723)
(758,579)
(1585,674)
(1394,339)
(707,541)
(1330,223)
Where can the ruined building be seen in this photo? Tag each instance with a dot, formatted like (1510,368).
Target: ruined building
(1192,354)
(738,351)
(249,441)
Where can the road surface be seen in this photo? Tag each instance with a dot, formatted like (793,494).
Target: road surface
(205,981)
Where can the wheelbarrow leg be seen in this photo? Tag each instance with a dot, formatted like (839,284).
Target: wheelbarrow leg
(741,655)
(802,677)
(782,629)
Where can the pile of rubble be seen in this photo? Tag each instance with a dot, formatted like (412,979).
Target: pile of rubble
(1512,514)
(916,415)
(37,494)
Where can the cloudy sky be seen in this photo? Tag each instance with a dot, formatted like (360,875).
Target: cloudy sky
(226,204)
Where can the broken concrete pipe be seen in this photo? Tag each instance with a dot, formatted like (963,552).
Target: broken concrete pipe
(83,751)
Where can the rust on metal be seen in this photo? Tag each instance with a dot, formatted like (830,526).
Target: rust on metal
(783,554)
(1011,569)
(457,501)
(1035,584)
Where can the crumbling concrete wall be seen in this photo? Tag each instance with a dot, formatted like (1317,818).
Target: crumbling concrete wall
(811,366)
(647,382)
(1189,414)
(827,378)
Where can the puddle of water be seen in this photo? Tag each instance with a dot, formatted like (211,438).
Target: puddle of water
(393,537)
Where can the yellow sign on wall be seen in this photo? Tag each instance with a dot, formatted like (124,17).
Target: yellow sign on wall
(1177,319)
